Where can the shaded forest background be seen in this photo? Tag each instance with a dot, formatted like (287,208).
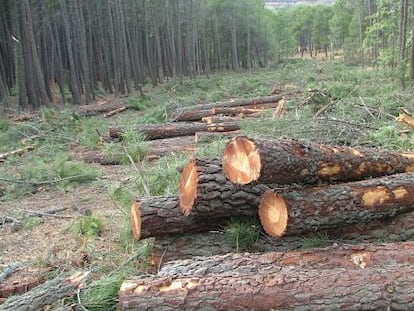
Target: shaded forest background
(70,51)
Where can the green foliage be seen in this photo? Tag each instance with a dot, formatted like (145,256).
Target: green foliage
(4,124)
(102,294)
(242,233)
(90,225)
(389,137)
(139,102)
(32,222)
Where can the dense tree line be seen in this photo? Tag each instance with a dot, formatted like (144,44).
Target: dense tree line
(72,50)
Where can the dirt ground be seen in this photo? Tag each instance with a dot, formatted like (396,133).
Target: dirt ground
(52,245)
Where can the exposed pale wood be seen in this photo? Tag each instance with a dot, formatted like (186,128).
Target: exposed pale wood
(194,115)
(20,151)
(406,119)
(204,191)
(341,277)
(177,129)
(46,293)
(315,208)
(285,161)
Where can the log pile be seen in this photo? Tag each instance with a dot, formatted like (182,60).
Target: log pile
(294,189)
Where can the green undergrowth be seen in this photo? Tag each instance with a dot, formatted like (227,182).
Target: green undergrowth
(242,233)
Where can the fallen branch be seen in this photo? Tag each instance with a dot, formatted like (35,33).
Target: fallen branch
(20,151)
(115,111)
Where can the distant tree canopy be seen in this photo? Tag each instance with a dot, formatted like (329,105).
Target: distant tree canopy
(73,50)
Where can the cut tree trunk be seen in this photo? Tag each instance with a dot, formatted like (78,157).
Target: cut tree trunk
(156,149)
(399,228)
(103,106)
(316,208)
(208,137)
(335,278)
(160,131)
(251,102)
(205,192)
(286,161)
(46,293)
(349,256)
(194,115)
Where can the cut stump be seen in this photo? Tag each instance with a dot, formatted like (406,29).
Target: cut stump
(286,161)
(326,207)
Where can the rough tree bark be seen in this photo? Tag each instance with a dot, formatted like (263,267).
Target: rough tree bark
(205,192)
(160,131)
(46,293)
(315,208)
(287,161)
(336,278)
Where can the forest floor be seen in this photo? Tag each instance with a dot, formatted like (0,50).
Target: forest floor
(42,215)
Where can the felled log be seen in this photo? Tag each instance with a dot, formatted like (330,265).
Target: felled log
(205,192)
(219,119)
(194,115)
(159,131)
(251,102)
(405,118)
(156,149)
(398,228)
(318,208)
(115,111)
(103,106)
(351,278)
(350,256)
(46,293)
(286,161)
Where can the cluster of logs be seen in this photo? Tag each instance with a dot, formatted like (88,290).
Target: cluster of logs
(295,187)
(190,126)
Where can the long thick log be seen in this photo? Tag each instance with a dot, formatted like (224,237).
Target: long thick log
(251,102)
(205,192)
(350,256)
(46,293)
(156,149)
(287,161)
(194,115)
(316,208)
(160,131)
(347,277)
(399,228)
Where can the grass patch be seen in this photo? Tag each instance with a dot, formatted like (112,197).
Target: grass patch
(90,225)
(242,233)
(319,239)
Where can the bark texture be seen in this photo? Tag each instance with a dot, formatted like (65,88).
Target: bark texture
(206,193)
(281,288)
(287,161)
(160,131)
(161,216)
(317,208)
(352,257)
(46,293)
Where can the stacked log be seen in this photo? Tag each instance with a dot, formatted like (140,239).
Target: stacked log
(296,189)
(338,277)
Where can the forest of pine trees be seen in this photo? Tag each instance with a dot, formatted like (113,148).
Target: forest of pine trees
(71,50)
